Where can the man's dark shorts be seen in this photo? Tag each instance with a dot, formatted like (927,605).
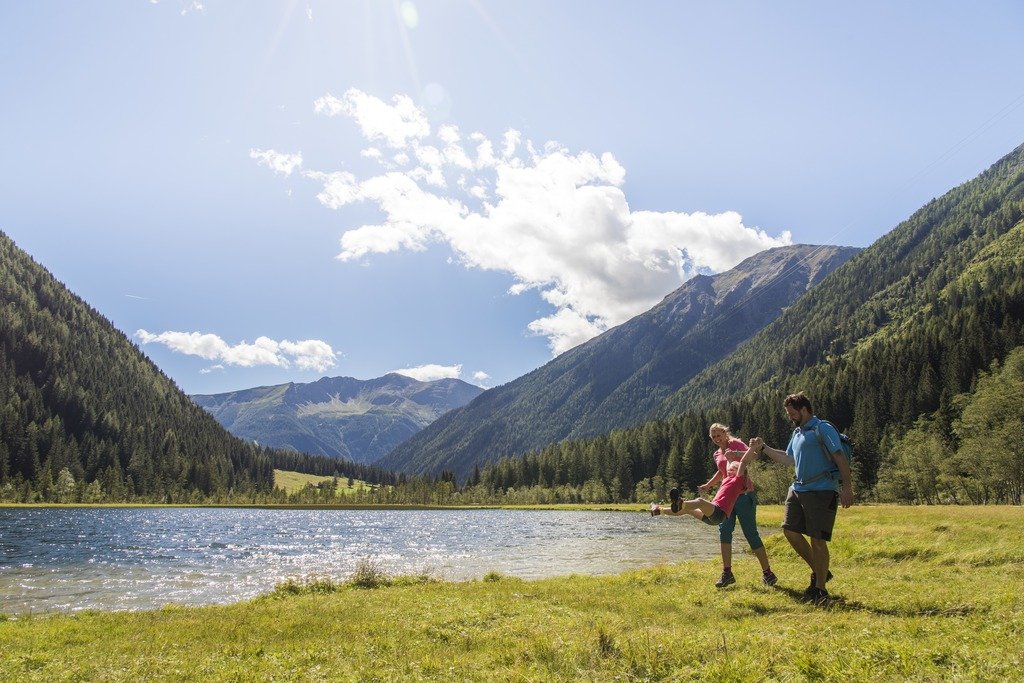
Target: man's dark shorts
(812,513)
(717,517)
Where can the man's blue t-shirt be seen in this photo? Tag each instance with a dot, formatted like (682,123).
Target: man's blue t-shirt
(805,449)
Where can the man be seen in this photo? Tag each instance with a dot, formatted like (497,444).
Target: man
(816,453)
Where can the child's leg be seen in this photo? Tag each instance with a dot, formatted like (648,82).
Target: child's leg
(699,508)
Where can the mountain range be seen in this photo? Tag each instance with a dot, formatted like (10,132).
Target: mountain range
(338,417)
(621,377)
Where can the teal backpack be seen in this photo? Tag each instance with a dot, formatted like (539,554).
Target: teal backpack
(847,445)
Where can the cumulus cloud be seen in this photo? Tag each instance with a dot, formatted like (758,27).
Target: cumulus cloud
(276,161)
(310,354)
(555,220)
(480,376)
(396,124)
(432,371)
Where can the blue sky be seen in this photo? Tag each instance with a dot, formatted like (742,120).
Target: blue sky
(263,192)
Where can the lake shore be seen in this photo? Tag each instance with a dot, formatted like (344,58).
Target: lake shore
(920,593)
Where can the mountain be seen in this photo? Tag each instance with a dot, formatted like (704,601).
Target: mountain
(619,377)
(892,347)
(339,417)
(80,404)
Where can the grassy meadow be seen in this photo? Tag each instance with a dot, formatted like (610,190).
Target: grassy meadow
(296,481)
(920,593)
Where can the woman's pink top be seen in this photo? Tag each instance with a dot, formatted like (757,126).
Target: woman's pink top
(721,460)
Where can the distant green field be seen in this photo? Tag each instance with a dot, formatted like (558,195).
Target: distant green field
(293,481)
(920,594)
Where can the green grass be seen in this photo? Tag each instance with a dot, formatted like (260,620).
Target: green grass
(294,481)
(920,594)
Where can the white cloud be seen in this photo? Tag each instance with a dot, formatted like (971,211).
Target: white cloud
(565,329)
(212,368)
(481,376)
(396,124)
(310,354)
(432,371)
(276,161)
(555,221)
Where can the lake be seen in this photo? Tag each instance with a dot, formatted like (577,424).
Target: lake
(71,559)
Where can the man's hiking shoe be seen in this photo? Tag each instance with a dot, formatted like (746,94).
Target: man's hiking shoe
(769,578)
(726,580)
(819,596)
(814,583)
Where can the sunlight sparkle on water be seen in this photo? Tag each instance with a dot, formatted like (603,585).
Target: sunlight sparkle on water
(75,559)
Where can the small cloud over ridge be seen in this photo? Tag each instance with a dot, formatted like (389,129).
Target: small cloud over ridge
(431,372)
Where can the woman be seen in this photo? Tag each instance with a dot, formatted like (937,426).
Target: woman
(729,449)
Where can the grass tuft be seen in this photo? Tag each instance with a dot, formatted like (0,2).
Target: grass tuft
(369,574)
(315,585)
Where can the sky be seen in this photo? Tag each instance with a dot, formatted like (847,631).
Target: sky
(264,192)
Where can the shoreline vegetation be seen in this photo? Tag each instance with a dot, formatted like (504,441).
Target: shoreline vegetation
(921,593)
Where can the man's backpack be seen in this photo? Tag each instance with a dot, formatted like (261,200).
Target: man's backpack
(847,445)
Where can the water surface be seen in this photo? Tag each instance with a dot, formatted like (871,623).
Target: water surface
(56,559)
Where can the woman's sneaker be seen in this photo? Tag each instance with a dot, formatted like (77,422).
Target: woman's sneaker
(769,578)
(726,580)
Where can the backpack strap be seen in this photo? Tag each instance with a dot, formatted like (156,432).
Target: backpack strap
(828,472)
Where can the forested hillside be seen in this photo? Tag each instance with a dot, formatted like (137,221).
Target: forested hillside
(619,378)
(85,416)
(890,347)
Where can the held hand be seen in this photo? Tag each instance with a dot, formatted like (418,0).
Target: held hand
(846,496)
(703,488)
(757,443)
(655,509)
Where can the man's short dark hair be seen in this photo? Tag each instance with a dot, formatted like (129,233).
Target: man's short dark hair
(797,401)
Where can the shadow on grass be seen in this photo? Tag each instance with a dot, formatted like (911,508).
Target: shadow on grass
(839,603)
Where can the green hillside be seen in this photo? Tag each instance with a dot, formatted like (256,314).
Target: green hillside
(901,329)
(86,417)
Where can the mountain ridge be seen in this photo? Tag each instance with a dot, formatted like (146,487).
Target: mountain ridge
(338,417)
(617,378)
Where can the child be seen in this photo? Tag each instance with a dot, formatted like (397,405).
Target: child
(718,509)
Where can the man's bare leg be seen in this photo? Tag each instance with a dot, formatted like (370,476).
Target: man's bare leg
(801,546)
(819,550)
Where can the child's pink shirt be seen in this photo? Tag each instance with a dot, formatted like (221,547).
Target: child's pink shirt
(731,488)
